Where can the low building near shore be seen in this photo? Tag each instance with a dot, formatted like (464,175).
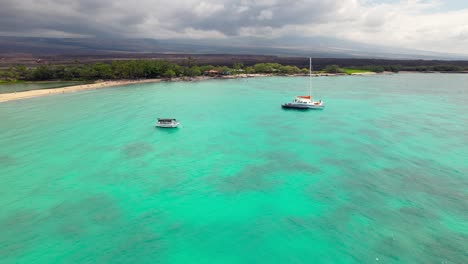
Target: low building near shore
(211,73)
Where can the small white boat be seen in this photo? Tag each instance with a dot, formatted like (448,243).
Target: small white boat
(167,123)
(305,101)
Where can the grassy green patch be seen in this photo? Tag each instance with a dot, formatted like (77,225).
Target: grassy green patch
(351,70)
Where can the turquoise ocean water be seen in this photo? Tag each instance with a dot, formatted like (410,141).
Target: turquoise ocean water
(379,176)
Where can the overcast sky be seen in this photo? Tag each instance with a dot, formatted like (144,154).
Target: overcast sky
(433,25)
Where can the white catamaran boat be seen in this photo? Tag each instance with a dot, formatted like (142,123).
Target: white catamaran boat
(167,123)
(305,101)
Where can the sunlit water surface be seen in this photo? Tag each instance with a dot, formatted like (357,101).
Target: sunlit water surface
(381,175)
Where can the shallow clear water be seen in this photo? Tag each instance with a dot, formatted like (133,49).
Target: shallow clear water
(27,86)
(381,175)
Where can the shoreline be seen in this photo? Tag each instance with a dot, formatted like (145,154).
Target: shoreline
(6,97)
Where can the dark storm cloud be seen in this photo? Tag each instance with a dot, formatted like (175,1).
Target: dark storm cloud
(406,23)
(92,5)
(86,17)
(232,16)
(121,18)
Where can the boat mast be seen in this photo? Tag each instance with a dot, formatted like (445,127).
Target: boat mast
(310,77)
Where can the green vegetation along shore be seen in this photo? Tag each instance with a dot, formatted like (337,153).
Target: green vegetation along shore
(136,69)
(148,69)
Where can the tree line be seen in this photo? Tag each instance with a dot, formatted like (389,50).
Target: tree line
(143,69)
(136,69)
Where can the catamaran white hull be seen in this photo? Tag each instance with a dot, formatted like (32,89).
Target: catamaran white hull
(321,106)
(303,106)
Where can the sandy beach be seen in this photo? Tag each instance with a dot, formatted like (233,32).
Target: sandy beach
(43,92)
(105,84)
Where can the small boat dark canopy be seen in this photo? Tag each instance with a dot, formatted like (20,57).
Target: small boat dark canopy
(166,119)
